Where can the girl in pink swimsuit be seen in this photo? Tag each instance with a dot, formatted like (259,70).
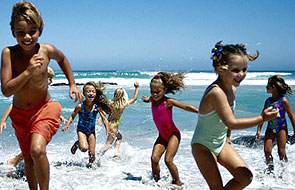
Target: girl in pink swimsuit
(169,135)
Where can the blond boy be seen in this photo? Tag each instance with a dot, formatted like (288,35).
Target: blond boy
(34,116)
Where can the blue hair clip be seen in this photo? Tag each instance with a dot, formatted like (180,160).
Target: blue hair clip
(219,50)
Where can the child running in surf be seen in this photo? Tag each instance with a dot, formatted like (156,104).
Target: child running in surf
(277,128)
(169,135)
(216,116)
(15,160)
(117,106)
(93,104)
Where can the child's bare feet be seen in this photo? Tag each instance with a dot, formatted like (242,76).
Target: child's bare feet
(12,162)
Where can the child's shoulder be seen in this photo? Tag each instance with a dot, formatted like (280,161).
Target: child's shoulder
(213,90)
(10,49)
(47,46)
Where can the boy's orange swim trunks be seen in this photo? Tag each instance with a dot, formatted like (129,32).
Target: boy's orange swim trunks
(43,120)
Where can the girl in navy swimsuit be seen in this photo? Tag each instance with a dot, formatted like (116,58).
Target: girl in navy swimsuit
(87,110)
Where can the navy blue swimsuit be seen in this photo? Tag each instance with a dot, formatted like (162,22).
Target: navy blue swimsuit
(86,123)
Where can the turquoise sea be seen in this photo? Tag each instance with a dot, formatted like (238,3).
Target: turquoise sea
(132,170)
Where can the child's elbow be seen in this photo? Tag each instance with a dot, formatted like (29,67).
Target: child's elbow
(230,124)
(6,92)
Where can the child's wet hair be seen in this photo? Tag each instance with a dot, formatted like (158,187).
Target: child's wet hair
(100,99)
(26,11)
(221,54)
(280,84)
(172,82)
(90,83)
(120,99)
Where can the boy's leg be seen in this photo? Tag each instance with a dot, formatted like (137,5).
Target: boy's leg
(158,150)
(91,141)
(38,154)
(30,173)
(233,162)
(172,148)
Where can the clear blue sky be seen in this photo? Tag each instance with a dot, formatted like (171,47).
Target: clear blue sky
(162,34)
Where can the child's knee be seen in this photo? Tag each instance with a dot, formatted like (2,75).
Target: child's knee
(168,161)
(83,148)
(37,151)
(244,177)
(155,159)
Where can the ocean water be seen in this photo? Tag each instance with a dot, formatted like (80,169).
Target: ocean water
(132,170)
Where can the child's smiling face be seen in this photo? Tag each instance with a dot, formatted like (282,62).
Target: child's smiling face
(157,90)
(89,93)
(237,70)
(26,34)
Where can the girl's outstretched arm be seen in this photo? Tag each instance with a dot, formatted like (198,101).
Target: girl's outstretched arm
(132,100)
(146,99)
(220,103)
(173,102)
(104,119)
(78,108)
(290,113)
(4,118)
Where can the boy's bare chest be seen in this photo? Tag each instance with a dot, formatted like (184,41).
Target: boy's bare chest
(20,64)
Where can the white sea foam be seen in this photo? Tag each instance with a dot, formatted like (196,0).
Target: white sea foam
(191,79)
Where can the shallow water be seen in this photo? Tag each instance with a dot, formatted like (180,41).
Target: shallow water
(132,170)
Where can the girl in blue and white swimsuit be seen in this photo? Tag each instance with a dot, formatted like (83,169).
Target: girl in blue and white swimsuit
(277,127)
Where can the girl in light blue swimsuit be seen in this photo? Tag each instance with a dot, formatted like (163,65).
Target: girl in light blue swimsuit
(277,127)
(216,116)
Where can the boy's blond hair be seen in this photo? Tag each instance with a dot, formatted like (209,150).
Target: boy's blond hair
(26,11)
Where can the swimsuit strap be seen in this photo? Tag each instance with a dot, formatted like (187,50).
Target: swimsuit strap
(210,88)
(117,122)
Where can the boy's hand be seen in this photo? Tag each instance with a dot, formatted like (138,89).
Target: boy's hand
(78,94)
(35,62)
